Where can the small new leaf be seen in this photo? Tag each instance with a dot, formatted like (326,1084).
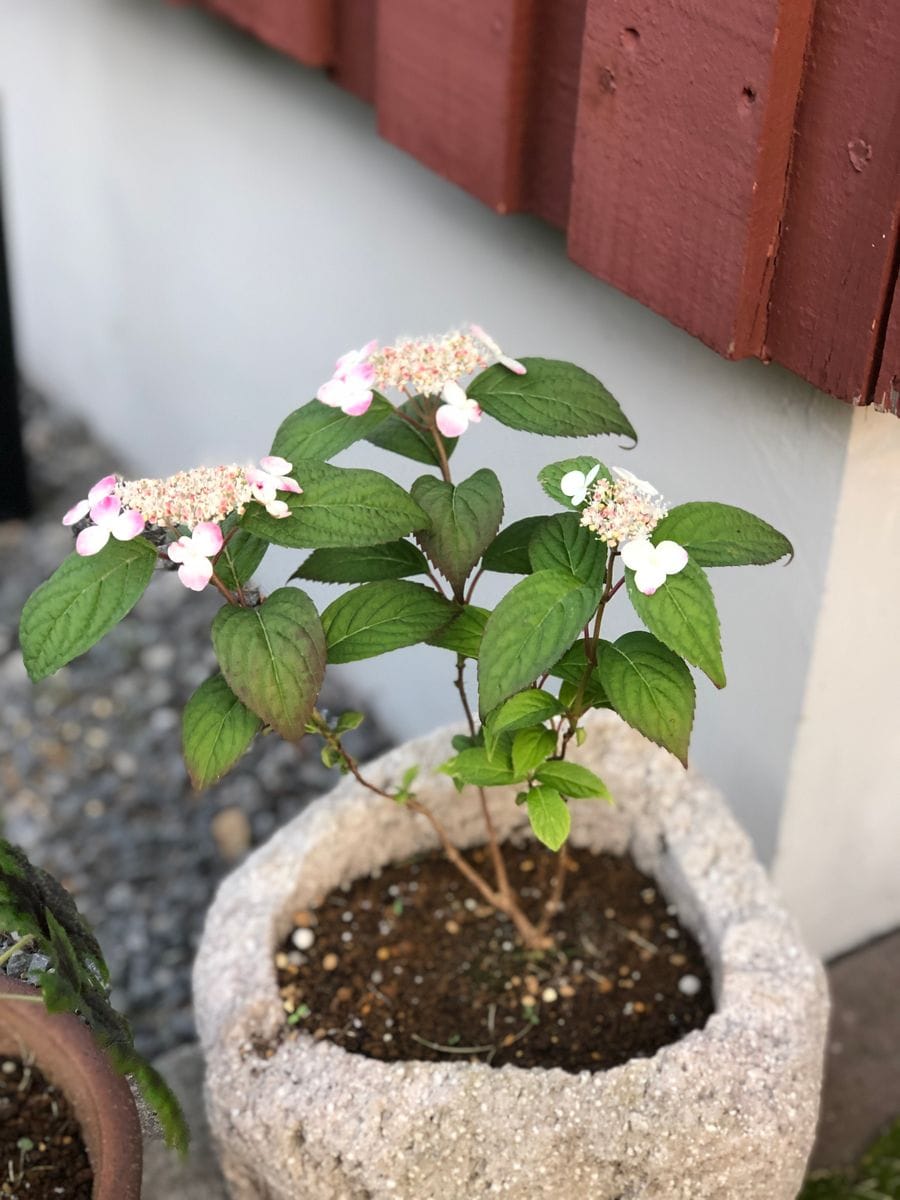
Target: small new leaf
(549,816)
(531,748)
(81,601)
(475,768)
(525,709)
(554,398)
(217,729)
(573,780)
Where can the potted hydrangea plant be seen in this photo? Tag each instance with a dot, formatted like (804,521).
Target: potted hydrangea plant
(689,1065)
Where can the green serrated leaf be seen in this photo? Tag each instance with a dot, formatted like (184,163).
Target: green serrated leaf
(378,617)
(531,707)
(508,552)
(549,477)
(339,506)
(651,688)
(475,768)
(554,398)
(530,748)
(464,633)
(317,431)
(720,535)
(682,614)
(273,658)
(549,816)
(363,564)
(573,780)
(528,631)
(239,558)
(400,437)
(81,601)
(217,729)
(562,543)
(463,518)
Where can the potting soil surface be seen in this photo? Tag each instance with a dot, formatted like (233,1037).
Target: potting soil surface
(42,1154)
(412,965)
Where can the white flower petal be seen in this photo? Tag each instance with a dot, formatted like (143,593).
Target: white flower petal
(206,539)
(671,557)
(638,553)
(77,512)
(273,464)
(195,573)
(91,541)
(452,393)
(649,577)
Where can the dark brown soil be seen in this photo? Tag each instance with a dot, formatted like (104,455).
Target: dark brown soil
(411,965)
(42,1155)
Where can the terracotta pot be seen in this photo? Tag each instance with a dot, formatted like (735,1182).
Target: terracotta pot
(727,1113)
(63,1049)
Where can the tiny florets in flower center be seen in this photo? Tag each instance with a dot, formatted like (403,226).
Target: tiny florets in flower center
(188,497)
(623,508)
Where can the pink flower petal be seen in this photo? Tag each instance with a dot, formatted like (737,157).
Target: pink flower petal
(358,404)
(286,484)
(76,512)
(206,540)
(512,364)
(275,465)
(127,525)
(103,487)
(451,421)
(91,541)
(105,511)
(278,508)
(332,393)
(195,573)
(180,550)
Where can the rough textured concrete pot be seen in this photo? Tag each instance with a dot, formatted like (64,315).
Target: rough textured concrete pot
(65,1052)
(728,1113)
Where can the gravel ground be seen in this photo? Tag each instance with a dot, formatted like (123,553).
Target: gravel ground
(92,784)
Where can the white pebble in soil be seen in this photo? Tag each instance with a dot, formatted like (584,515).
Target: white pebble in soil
(689,985)
(303,939)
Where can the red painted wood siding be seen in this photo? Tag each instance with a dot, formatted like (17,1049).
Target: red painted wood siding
(734,166)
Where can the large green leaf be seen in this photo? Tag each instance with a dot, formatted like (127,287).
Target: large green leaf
(549,477)
(528,631)
(339,506)
(363,564)
(81,601)
(273,658)
(562,543)
(720,535)
(682,614)
(463,517)
(216,730)
(574,780)
(400,437)
(379,617)
(464,633)
(651,688)
(555,398)
(317,431)
(508,552)
(239,558)
(531,748)
(549,816)
(521,711)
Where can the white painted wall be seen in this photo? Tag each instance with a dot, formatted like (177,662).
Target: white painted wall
(198,227)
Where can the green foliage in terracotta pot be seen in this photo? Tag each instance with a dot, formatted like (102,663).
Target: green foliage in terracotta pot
(409,562)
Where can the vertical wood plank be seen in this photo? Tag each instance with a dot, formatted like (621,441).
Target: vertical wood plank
(304,29)
(550,138)
(840,226)
(354,58)
(887,385)
(685,120)
(452,89)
